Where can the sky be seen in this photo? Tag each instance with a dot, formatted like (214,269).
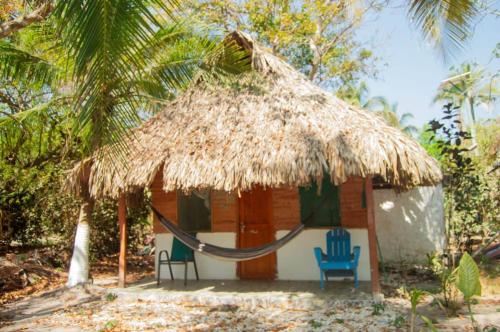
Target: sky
(411,70)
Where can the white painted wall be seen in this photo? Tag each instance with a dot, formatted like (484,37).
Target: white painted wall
(410,224)
(295,260)
(208,267)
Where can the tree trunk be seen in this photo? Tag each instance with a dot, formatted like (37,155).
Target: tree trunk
(79,267)
(314,45)
(38,15)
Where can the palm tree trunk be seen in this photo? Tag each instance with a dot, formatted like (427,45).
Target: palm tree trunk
(79,267)
(473,131)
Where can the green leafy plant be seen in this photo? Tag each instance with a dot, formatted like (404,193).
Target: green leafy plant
(468,283)
(110,297)
(428,323)
(399,321)
(315,324)
(378,309)
(109,326)
(416,296)
(446,278)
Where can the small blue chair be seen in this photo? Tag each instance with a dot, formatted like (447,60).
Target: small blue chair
(339,261)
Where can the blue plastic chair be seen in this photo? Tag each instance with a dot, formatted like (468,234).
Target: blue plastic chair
(339,261)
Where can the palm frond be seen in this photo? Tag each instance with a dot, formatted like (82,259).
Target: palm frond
(19,64)
(445,23)
(106,39)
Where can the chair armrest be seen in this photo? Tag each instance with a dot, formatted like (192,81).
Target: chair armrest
(357,253)
(318,253)
(165,251)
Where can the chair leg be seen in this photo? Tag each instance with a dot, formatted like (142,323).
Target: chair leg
(185,272)
(170,267)
(321,282)
(158,273)
(356,282)
(196,269)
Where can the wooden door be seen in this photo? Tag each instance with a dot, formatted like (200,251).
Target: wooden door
(256,229)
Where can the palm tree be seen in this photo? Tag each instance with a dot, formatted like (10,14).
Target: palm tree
(447,24)
(389,112)
(468,87)
(119,59)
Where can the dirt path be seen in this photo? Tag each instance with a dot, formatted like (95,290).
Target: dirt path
(97,308)
(23,315)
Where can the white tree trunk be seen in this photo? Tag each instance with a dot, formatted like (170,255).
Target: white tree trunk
(79,267)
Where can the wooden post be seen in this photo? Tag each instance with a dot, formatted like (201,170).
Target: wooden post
(372,237)
(122,222)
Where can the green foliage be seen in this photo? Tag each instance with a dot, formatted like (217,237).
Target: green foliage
(429,324)
(80,80)
(468,282)
(447,25)
(399,322)
(378,309)
(315,324)
(110,297)
(471,195)
(468,277)
(318,38)
(104,232)
(446,279)
(109,326)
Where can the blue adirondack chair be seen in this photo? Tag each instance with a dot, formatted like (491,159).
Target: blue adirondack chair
(339,261)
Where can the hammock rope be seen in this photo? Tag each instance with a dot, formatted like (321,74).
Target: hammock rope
(233,254)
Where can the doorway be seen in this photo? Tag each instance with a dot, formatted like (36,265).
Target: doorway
(256,229)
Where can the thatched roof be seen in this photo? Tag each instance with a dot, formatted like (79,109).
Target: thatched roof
(271,127)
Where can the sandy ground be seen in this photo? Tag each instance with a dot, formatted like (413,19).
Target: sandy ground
(103,307)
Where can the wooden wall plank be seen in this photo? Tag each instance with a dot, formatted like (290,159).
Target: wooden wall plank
(224,211)
(353,213)
(286,208)
(164,202)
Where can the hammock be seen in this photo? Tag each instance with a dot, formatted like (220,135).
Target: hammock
(240,254)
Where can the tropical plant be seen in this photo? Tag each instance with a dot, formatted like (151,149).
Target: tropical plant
(468,283)
(446,278)
(416,296)
(389,112)
(446,24)
(469,87)
(118,60)
(470,196)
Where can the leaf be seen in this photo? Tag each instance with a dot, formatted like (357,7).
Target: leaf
(468,277)
(428,322)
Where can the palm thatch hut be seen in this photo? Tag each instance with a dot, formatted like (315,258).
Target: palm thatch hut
(242,160)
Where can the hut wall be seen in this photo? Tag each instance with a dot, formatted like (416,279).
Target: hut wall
(164,202)
(208,267)
(352,208)
(410,224)
(295,261)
